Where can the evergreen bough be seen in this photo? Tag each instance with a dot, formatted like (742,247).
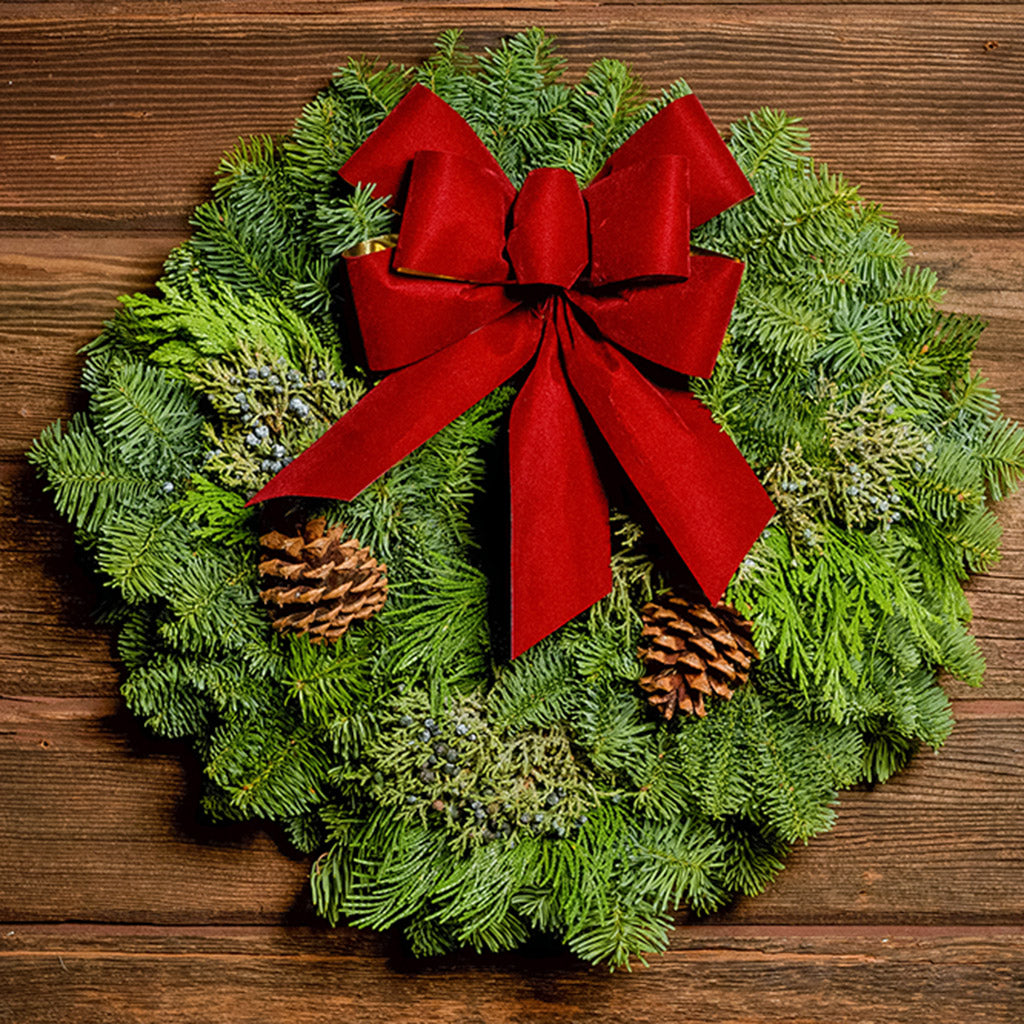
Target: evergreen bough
(574,810)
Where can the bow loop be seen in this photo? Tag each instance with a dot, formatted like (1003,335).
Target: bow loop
(421,120)
(403,318)
(677,324)
(454,220)
(640,221)
(683,128)
(548,240)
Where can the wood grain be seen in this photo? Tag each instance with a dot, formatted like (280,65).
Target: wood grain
(56,290)
(51,645)
(905,99)
(251,975)
(114,116)
(77,770)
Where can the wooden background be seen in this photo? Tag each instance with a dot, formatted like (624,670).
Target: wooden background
(116,903)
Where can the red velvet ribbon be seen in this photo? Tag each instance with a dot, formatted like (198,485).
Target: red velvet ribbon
(484,280)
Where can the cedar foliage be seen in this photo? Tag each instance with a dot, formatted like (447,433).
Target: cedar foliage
(568,807)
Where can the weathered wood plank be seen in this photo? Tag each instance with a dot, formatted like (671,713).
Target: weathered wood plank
(57,290)
(908,838)
(100,823)
(981,275)
(921,105)
(261,9)
(50,644)
(250,976)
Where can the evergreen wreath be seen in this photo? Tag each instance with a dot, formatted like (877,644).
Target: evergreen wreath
(469,799)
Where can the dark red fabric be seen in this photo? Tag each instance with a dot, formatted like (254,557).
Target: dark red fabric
(577,276)
(559,511)
(421,120)
(679,324)
(404,318)
(454,222)
(548,240)
(683,128)
(689,473)
(407,408)
(654,240)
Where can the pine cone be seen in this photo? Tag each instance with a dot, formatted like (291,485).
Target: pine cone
(317,583)
(691,651)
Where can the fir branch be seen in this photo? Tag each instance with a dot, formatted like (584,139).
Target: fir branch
(152,420)
(140,555)
(267,765)
(90,485)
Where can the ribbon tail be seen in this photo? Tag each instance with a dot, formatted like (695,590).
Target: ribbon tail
(692,477)
(406,409)
(561,547)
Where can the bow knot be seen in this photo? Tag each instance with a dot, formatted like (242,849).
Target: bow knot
(548,242)
(451,310)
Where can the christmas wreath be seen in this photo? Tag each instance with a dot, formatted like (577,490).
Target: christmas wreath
(340,655)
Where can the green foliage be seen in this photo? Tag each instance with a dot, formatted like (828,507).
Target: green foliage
(89,482)
(164,695)
(470,800)
(140,555)
(441,616)
(328,682)
(609,726)
(152,420)
(478,781)
(215,513)
(212,603)
(269,409)
(334,124)
(268,764)
(347,220)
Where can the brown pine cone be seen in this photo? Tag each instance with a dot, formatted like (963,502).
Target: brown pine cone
(691,650)
(317,583)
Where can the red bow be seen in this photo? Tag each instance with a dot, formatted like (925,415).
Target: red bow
(461,304)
